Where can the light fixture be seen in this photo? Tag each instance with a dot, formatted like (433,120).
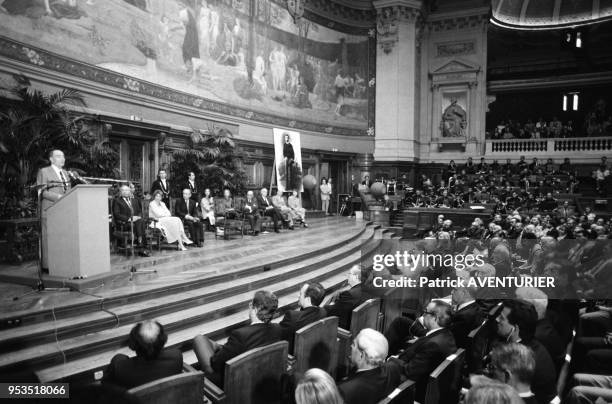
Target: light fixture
(578,40)
(565,102)
(296,9)
(575,102)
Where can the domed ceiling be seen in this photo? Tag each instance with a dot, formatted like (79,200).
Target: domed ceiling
(549,14)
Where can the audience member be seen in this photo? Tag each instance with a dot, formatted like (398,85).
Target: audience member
(347,300)
(317,387)
(250,208)
(514,364)
(310,297)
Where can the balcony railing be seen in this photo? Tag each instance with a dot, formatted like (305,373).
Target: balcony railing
(552,147)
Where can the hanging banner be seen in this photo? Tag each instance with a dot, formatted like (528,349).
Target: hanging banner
(288,160)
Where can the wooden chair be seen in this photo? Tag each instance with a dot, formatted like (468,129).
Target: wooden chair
(391,307)
(316,346)
(366,315)
(231,223)
(403,394)
(255,376)
(444,384)
(564,372)
(478,347)
(187,388)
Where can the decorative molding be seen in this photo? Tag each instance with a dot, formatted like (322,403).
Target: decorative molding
(343,18)
(458,23)
(42,59)
(390,13)
(455,48)
(456,65)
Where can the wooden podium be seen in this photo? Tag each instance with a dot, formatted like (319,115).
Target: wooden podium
(77,233)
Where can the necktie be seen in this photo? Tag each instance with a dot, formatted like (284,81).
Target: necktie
(129,202)
(267,203)
(63,179)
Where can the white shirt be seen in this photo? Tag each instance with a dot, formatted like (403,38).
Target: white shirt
(434,330)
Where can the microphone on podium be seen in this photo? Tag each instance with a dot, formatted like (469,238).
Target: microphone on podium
(76,177)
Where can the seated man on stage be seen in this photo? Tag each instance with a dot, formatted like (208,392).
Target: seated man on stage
(260,332)
(286,213)
(296,207)
(187,210)
(226,206)
(126,210)
(268,208)
(151,362)
(250,208)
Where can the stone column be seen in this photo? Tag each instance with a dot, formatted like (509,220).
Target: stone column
(396,79)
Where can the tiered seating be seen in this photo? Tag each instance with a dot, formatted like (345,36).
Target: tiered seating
(187,388)
(444,382)
(316,346)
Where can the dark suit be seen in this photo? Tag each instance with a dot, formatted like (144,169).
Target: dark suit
(251,212)
(346,302)
(548,336)
(240,341)
(122,214)
(296,319)
(544,383)
(424,355)
(464,321)
(402,329)
(131,372)
(181,210)
(158,184)
(268,209)
(371,386)
(225,206)
(195,196)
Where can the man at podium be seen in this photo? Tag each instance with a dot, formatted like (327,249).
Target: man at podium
(55,182)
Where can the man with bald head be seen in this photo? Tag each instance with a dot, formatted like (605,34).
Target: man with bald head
(374,378)
(127,210)
(55,183)
(151,362)
(349,298)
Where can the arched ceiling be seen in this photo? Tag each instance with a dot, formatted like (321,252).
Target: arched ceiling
(549,14)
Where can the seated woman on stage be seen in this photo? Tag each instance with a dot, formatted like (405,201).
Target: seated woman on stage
(287,214)
(171,226)
(208,207)
(297,210)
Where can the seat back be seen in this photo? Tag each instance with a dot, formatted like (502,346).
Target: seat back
(256,375)
(403,394)
(187,388)
(365,316)
(391,306)
(444,384)
(316,346)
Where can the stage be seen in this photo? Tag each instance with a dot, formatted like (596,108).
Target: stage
(203,290)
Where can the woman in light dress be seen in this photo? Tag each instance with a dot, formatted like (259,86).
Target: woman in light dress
(279,202)
(171,226)
(325,193)
(297,210)
(208,207)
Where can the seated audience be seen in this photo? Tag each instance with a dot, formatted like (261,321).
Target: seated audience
(127,211)
(492,393)
(428,351)
(310,297)
(317,387)
(590,389)
(347,300)
(514,364)
(171,226)
(207,206)
(260,332)
(187,210)
(467,314)
(286,212)
(373,378)
(151,362)
(517,323)
(268,209)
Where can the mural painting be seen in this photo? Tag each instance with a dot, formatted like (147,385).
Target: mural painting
(249,54)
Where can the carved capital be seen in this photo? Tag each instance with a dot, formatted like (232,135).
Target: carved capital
(435,87)
(388,20)
(472,84)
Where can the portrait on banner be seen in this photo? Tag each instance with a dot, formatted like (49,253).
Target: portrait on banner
(288,160)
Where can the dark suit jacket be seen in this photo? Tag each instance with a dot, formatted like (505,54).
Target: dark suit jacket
(181,209)
(548,336)
(253,205)
(157,184)
(47,176)
(194,191)
(296,319)
(544,383)
(122,212)
(464,321)
(240,341)
(424,355)
(346,302)
(131,372)
(261,201)
(371,386)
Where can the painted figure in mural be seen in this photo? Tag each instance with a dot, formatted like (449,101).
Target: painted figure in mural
(278,68)
(213,31)
(204,29)
(191,47)
(37,8)
(259,72)
(289,170)
(293,80)
(359,88)
(340,83)
(227,56)
(454,120)
(300,98)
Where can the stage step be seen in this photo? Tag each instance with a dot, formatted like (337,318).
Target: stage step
(211,304)
(126,309)
(109,342)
